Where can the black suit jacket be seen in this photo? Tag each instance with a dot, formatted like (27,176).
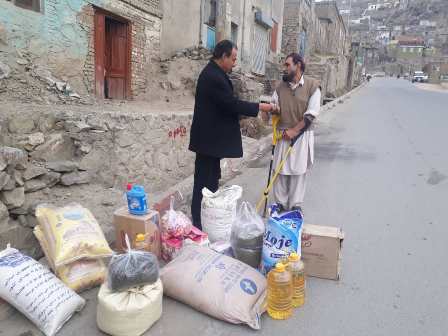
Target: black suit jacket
(216,130)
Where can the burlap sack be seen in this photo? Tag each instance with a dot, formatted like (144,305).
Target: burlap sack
(217,285)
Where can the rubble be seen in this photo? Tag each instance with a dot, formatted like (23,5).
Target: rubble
(5,70)
(75,178)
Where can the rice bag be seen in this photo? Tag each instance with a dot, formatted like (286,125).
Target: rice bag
(79,275)
(72,233)
(36,292)
(283,236)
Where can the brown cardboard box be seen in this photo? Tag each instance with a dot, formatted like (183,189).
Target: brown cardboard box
(148,224)
(321,251)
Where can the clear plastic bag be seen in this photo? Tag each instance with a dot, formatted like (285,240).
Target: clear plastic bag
(175,224)
(247,235)
(131,269)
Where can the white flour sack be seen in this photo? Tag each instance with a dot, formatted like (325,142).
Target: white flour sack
(217,285)
(218,212)
(36,292)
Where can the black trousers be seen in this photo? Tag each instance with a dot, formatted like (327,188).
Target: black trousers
(207,172)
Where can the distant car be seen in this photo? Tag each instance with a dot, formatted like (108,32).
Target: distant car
(420,77)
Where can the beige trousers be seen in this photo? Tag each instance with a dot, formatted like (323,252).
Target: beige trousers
(289,190)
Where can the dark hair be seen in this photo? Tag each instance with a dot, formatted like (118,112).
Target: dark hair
(224,47)
(296,59)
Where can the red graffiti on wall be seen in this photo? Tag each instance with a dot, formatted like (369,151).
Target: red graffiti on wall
(180,131)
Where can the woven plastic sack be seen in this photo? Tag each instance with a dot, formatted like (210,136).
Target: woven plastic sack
(80,275)
(36,292)
(217,285)
(72,233)
(218,212)
(131,269)
(131,312)
(247,235)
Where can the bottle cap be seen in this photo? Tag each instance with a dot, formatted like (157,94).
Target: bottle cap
(293,257)
(129,186)
(279,267)
(140,237)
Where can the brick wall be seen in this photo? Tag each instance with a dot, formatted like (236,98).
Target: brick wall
(146,30)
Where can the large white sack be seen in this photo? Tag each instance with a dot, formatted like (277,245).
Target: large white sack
(217,285)
(36,292)
(131,312)
(218,212)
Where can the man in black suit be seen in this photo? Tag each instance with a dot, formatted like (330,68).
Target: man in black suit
(215,132)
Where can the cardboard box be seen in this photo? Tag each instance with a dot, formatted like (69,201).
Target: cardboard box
(321,251)
(125,223)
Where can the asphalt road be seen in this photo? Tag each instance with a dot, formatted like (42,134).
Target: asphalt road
(381,174)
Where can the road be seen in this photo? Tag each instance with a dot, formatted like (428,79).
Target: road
(380,174)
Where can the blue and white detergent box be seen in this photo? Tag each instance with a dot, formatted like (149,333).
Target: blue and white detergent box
(283,236)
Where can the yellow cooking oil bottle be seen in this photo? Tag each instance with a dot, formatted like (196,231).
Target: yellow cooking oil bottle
(297,269)
(280,292)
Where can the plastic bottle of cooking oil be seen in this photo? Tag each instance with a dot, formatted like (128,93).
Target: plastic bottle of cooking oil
(280,292)
(140,242)
(297,269)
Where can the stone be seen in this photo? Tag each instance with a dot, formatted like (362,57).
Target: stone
(21,124)
(22,220)
(22,61)
(18,178)
(46,123)
(14,198)
(77,126)
(75,178)
(5,70)
(47,181)
(34,185)
(10,185)
(51,179)
(33,171)
(4,179)
(14,157)
(31,221)
(3,164)
(21,238)
(4,214)
(36,139)
(62,166)
(57,147)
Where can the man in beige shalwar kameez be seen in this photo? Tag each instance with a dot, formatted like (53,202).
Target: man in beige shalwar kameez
(298,103)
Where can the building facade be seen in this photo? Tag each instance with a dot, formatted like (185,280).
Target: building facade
(102,47)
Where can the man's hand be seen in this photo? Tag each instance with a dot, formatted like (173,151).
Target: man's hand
(265,107)
(290,134)
(265,116)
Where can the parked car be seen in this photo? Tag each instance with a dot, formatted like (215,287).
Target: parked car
(420,77)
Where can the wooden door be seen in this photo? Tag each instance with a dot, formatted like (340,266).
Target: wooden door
(116,59)
(112,56)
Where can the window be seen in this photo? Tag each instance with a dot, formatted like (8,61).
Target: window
(405,50)
(28,4)
(411,50)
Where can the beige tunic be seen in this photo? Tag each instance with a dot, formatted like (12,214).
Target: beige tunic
(302,154)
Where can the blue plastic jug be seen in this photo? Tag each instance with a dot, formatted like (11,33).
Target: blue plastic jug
(137,203)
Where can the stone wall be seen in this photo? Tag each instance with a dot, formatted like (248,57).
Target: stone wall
(44,150)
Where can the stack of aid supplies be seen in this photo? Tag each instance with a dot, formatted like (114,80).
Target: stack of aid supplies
(130,302)
(73,244)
